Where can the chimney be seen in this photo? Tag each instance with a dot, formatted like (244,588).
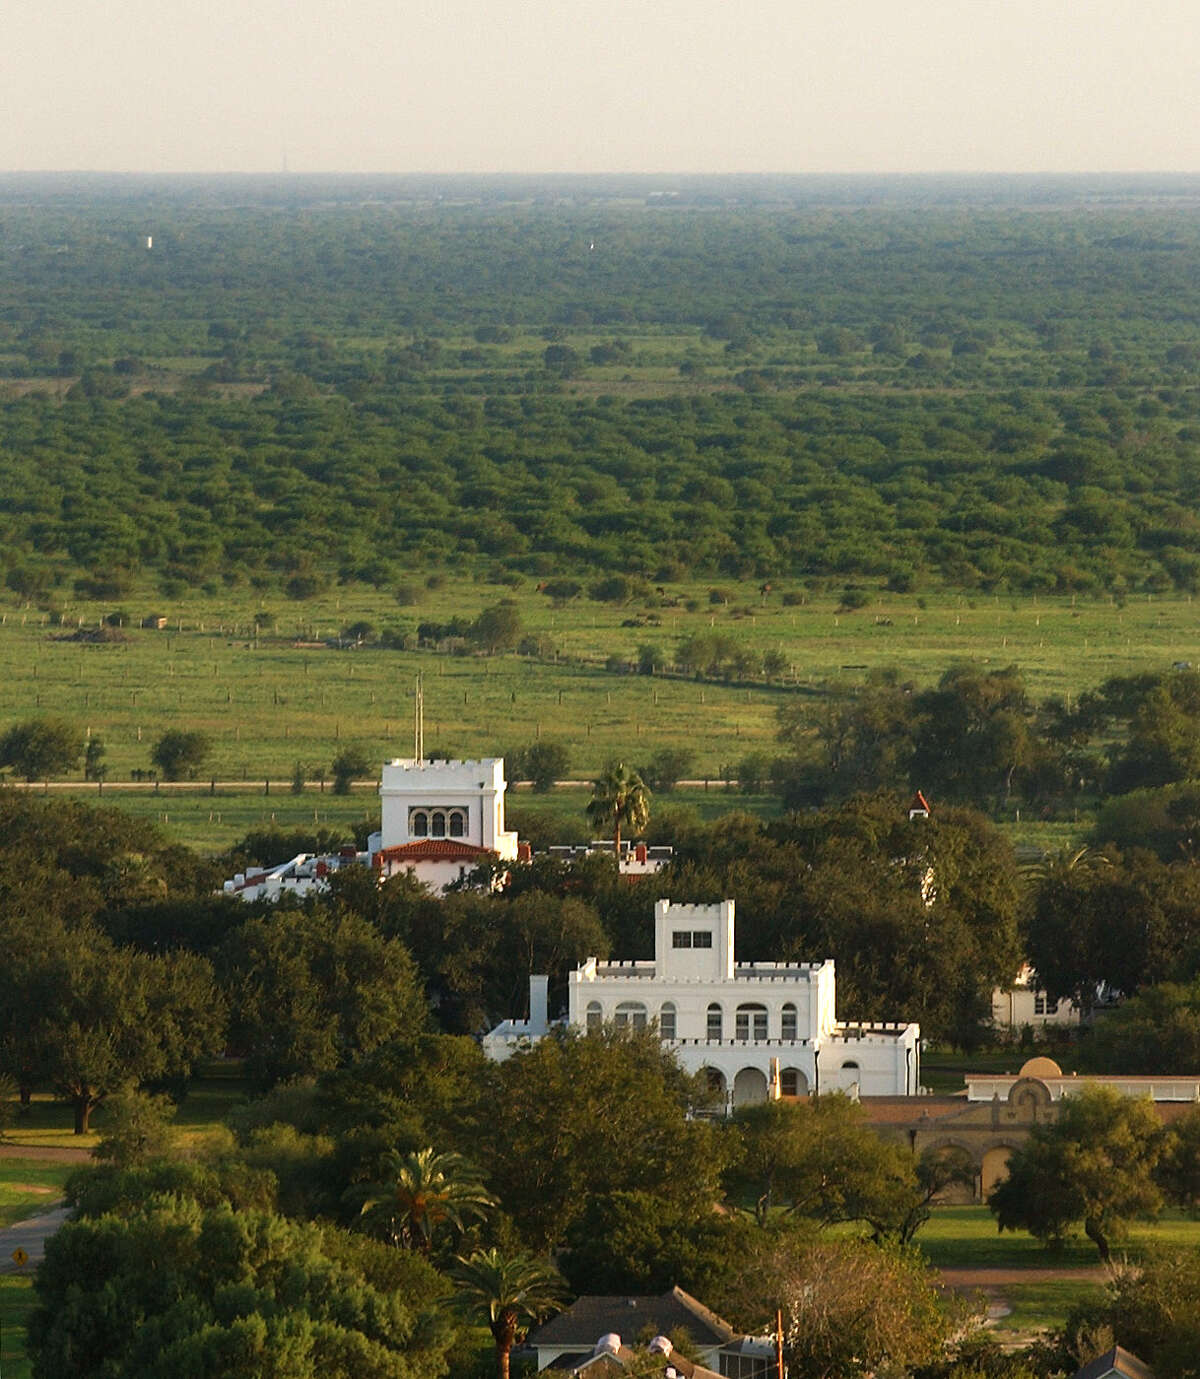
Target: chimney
(524,852)
(640,852)
(539,1005)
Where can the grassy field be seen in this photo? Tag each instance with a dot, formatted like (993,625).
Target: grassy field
(16,1301)
(29,1186)
(50,1123)
(267,703)
(1041,1304)
(967,1238)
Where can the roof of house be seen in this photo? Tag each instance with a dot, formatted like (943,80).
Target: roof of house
(589,1318)
(1118,1361)
(432,850)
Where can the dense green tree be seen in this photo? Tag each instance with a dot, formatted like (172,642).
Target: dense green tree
(89,1017)
(351,763)
(820,1160)
(1156,1031)
(180,1289)
(311,990)
(637,1243)
(666,768)
(136,1128)
(580,1115)
(41,747)
(498,628)
(179,753)
(1122,922)
(1092,1165)
(544,763)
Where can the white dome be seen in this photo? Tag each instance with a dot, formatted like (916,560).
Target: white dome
(660,1345)
(608,1344)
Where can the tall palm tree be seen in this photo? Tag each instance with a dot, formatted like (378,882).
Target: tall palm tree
(619,796)
(420,1192)
(507,1289)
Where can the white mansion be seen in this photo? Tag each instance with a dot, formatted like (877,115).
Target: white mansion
(759,1029)
(440,819)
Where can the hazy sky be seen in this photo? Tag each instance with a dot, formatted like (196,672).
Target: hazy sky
(580,86)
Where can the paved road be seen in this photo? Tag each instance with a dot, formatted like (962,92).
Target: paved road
(30,1236)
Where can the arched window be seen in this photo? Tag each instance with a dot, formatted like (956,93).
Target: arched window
(438,822)
(713,1022)
(787,1024)
(419,828)
(458,823)
(631,1015)
(751,1022)
(850,1066)
(792,1082)
(593,1016)
(666,1020)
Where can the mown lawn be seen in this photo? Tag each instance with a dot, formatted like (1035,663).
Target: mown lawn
(16,1302)
(1043,1304)
(51,1123)
(29,1186)
(967,1238)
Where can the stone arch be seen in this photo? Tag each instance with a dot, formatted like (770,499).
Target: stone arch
(749,1087)
(1030,1098)
(993,1167)
(715,1079)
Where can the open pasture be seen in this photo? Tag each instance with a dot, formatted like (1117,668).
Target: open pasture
(283,696)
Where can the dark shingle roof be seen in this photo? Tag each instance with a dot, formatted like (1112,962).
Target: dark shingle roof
(589,1318)
(1118,1360)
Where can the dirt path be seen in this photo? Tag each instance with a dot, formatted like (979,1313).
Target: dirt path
(52,1153)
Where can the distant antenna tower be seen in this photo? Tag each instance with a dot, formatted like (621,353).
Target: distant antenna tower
(419,722)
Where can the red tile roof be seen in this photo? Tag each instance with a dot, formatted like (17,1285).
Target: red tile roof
(432,850)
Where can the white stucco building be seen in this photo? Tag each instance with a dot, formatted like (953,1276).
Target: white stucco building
(757,1029)
(1023,1004)
(441,819)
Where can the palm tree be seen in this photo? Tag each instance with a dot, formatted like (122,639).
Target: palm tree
(619,796)
(419,1193)
(507,1288)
